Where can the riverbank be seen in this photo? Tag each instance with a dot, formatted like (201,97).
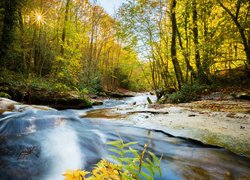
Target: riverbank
(53,93)
(220,123)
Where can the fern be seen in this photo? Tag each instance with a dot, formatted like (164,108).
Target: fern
(130,165)
(137,163)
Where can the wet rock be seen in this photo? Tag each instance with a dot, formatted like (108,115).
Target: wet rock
(149,100)
(118,94)
(148,111)
(242,95)
(97,102)
(73,103)
(93,96)
(242,127)
(6,105)
(191,115)
(23,107)
(151,93)
(61,102)
(103,113)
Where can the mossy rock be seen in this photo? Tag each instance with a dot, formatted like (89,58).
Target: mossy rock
(70,103)
(236,145)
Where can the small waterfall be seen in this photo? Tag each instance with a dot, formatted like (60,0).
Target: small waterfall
(60,148)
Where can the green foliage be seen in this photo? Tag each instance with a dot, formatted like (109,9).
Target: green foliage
(60,87)
(144,165)
(5,95)
(87,103)
(44,88)
(187,93)
(130,165)
(33,83)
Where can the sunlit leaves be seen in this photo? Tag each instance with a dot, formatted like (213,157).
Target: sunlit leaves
(75,174)
(136,167)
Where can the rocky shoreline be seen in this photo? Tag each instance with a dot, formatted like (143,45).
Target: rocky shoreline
(215,123)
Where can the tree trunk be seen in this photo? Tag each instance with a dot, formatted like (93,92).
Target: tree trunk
(64,26)
(202,77)
(185,56)
(175,61)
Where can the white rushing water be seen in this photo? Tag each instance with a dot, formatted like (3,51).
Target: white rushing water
(62,144)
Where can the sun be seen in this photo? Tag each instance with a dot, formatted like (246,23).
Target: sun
(38,17)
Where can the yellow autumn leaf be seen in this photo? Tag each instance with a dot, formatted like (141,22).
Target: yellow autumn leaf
(75,174)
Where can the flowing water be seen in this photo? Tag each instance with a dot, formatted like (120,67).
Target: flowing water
(42,144)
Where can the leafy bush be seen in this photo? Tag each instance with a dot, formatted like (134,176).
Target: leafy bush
(5,95)
(187,93)
(130,165)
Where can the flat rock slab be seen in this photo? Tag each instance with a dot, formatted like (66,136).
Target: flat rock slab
(223,127)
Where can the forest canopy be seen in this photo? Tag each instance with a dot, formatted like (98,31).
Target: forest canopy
(74,42)
(146,45)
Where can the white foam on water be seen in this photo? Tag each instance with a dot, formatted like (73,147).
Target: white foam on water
(101,135)
(61,147)
(141,99)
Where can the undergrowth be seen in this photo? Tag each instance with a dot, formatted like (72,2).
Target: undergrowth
(187,93)
(12,81)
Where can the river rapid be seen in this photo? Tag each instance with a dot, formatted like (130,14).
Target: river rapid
(43,144)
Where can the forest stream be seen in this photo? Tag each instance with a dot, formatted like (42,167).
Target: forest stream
(43,144)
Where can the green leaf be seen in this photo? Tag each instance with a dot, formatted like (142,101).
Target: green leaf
(149,161)
(135,152)
(149,167)
(146,176)
(116,158)
(127,159)
(116,151)
(130,144)
(117,143)
(156,160)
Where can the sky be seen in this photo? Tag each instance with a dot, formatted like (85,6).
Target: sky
(110,5)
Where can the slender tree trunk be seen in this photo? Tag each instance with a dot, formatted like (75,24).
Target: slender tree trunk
(175,61)
(66,16)
(23,53)
(196,42)
(201,75)
(185,55)
(91,47)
